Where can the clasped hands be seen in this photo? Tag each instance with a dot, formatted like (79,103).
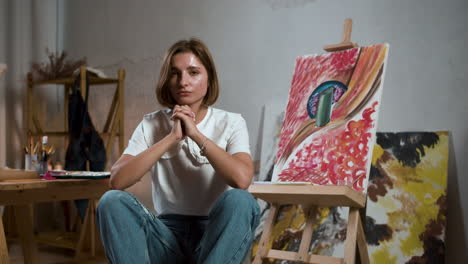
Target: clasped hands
(184,122)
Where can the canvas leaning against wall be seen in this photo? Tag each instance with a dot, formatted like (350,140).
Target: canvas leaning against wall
(331,118)
(273,115)
(327,238)
(407,198)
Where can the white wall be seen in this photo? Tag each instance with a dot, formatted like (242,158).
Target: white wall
(27,28)
(17,46)
(255,42)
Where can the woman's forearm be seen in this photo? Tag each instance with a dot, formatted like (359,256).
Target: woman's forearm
(130,169)
(237,169)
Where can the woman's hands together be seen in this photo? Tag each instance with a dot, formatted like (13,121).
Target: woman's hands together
(184,122)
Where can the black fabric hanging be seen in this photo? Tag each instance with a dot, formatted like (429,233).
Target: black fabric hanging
(85,144)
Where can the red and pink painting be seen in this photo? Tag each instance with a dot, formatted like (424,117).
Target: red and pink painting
(331,118)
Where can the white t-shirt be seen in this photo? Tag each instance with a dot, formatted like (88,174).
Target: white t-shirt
(184,182)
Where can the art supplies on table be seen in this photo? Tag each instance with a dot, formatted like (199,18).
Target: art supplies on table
(62,174)
(30,161)
(37,155)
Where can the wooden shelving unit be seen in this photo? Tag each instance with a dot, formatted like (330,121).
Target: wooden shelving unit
(114,126)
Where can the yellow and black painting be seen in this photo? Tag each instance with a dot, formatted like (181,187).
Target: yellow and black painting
(406,206)
(407,198)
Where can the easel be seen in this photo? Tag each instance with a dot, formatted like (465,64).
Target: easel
(310,197)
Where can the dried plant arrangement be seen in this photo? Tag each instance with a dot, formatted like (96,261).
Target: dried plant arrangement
(57,67)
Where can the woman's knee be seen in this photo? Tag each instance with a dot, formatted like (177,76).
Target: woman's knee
(237,206)
(112,199)
(239,200)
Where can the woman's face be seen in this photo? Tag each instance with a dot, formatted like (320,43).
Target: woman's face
(188,79)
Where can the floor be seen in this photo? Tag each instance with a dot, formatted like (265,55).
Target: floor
(54,255)
(48,255)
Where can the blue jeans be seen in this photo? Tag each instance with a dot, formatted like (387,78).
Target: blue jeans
(132,234)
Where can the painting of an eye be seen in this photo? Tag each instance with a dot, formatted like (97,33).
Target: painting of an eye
(320,103)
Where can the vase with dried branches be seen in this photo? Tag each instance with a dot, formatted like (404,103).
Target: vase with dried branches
(57,67)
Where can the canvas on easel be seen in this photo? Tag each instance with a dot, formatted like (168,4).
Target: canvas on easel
(331,118)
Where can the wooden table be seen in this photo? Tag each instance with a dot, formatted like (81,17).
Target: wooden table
(22,193)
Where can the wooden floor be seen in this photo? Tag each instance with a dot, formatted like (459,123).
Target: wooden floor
(48,255)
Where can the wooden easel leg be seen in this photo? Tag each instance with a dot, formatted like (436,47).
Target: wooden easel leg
(303,253)
(96,244)
(351,236)
(120,115)
(113,132)
(262,246)
(99,249)
(112,111)
(3,244)
(89,235)
(83,241)
(92,213)
(24,217)
(362,244)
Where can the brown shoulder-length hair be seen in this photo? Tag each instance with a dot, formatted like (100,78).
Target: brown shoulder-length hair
(199,49)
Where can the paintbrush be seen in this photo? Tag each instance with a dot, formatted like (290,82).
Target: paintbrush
(51,150)
(31,144)
(36,147)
